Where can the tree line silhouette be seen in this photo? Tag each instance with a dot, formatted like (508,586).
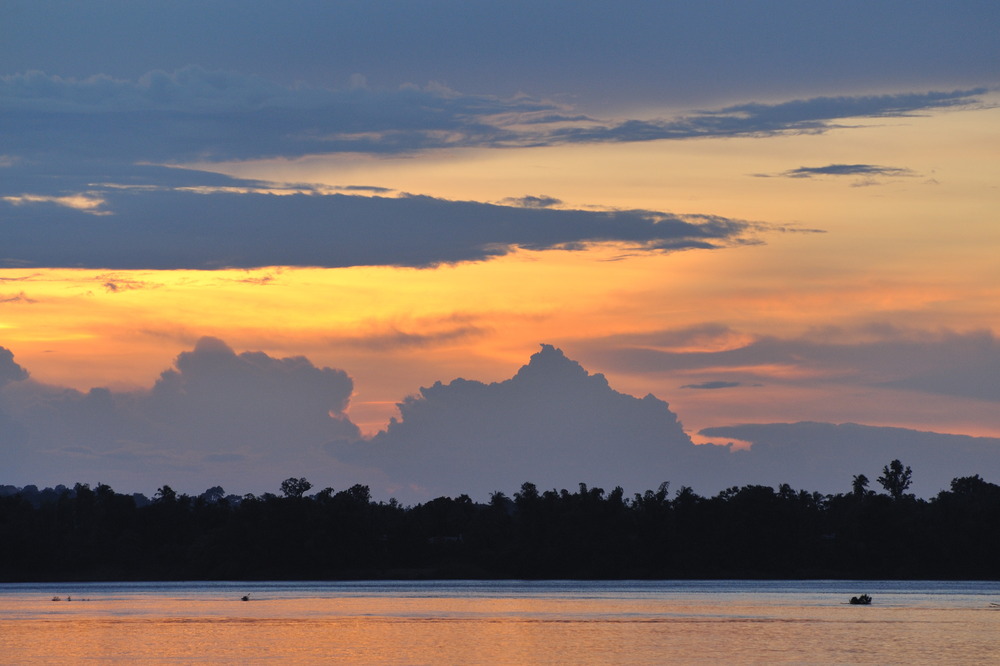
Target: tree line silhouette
(753,531)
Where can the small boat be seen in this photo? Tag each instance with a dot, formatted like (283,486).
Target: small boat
(863,600)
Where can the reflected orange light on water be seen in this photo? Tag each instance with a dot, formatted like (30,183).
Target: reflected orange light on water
(429,630)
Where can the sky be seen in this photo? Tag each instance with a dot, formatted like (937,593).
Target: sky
(443,247)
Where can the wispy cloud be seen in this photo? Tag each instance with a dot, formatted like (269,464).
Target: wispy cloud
(383,337)
(85,202)
(115,283)
(714,385)
(869,172)
(849,170)
(195,114)
(19,297)
(814,115)
(530,201)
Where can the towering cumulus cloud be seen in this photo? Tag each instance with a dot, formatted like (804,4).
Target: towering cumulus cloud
(552,423)
(273,406)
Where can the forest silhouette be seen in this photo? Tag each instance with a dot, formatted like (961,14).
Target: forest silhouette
(753,531)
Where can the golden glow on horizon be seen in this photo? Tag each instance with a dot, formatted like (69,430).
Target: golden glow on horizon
(914,250)
(395,330)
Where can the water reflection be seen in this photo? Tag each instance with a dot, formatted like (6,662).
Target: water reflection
(501,623)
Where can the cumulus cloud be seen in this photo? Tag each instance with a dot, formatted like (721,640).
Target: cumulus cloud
(10,371)
(552,423)
(555,424)
(262,416)
(180,228)
(247,420)
(262,398)
(826,456)
(13,437)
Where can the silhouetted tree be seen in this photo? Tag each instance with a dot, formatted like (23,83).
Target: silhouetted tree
(165,494)
(895,479)
(213,495)
(292,487)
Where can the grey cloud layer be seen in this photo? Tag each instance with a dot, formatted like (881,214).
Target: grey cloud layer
(832,454)
(196,114)
(945,363)
(653,52)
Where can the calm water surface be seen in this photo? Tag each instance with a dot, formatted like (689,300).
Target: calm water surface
(509,622)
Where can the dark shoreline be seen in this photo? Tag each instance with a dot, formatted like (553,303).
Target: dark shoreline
(747,533)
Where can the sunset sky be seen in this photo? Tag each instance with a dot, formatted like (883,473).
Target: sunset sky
(235,235)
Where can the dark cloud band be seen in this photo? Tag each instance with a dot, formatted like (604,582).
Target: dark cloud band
(172,229)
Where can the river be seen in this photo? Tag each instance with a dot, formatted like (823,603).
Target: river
(500,622)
